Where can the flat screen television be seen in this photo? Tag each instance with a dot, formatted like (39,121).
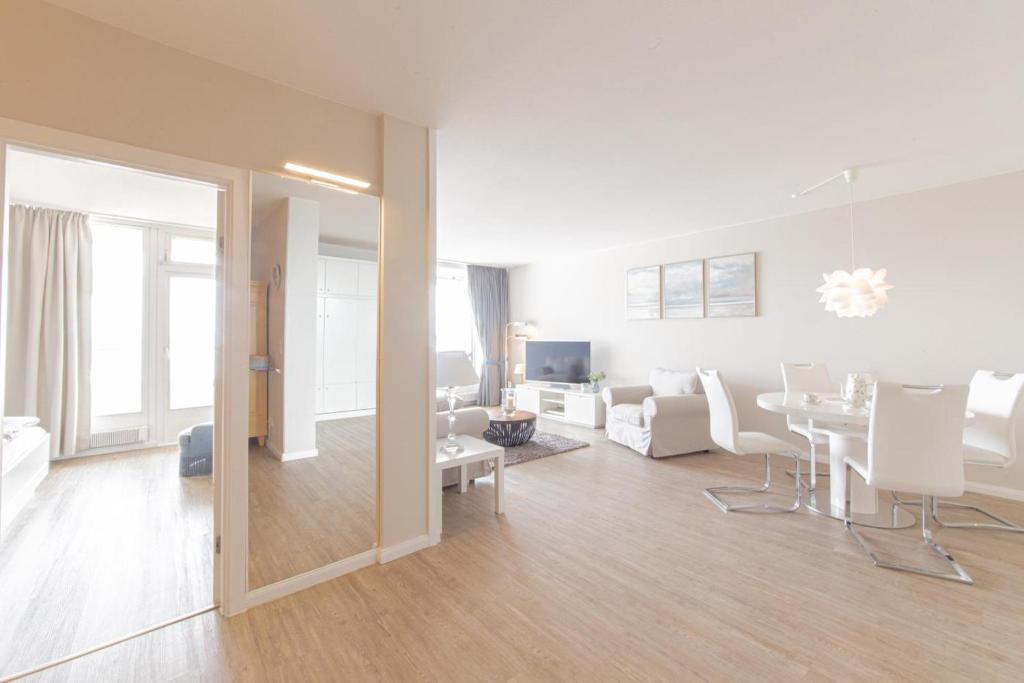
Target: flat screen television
(561,362)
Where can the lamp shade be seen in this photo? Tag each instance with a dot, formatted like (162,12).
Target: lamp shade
(859,294)
(519,369)
(454,369)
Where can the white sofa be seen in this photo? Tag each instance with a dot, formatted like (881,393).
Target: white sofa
(668,416)
(471,421)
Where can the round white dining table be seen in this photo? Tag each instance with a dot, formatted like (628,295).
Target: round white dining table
(847,435)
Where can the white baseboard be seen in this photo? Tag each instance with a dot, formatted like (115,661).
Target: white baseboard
(997,491)
(385,555)
(309,579)
(324,417)
(292,455)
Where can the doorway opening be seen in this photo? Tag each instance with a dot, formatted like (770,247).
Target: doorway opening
(109,331)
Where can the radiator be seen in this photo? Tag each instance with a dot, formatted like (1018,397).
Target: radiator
(119,437)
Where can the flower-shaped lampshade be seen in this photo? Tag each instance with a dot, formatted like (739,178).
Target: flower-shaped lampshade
(857,295)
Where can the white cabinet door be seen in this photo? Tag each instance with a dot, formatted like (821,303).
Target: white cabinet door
(367,279)
(339,397)
(366,395)
(340,322)
(528,399)
(341,277)
(579,408)
(366,340)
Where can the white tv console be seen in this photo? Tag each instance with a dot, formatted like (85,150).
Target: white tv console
(565,405)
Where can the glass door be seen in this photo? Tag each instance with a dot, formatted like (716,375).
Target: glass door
(187,325)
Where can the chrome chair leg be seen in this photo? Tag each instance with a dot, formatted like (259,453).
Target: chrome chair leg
(712,493)
(998,523)
(957,574)
(813,475)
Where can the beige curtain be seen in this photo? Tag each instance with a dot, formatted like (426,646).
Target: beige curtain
(48,323)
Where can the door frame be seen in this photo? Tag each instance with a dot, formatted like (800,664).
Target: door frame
(230,513)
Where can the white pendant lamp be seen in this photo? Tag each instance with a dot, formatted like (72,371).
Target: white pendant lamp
(861,292)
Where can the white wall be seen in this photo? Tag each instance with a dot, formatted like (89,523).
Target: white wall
(63,183)
(288,237)
(953,253)
(299,285)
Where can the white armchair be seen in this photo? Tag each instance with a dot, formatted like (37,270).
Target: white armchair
(668,416)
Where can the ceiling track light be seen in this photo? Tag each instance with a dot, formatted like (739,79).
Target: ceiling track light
(326,175)
(860,293)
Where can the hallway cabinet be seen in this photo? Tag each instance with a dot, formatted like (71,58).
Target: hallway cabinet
(346,335)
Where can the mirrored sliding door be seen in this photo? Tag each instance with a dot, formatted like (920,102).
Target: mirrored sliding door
(313,329)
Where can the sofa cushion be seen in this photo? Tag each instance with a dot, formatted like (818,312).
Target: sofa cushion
(630,413)
(673,382)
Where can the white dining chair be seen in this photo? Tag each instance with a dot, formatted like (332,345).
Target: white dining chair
(807,378)
(990,440)
(725,432)
(915,444)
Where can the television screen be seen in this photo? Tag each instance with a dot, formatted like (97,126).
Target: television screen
(558,361)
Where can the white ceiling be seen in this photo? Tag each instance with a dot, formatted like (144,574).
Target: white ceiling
(571,126)
(78,185)
(346,219)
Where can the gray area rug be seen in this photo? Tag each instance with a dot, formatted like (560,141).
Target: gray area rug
(541,446)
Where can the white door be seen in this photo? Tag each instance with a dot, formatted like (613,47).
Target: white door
(187,314)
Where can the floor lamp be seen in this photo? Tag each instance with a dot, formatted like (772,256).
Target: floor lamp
(510,336)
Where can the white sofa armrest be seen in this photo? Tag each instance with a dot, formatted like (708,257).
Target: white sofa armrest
(635,394)
(668,406)
(470,421)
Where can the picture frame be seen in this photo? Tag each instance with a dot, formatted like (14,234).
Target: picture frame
(643,293)
(732,286)
(683,289)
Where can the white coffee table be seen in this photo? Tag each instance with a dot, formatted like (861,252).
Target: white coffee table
(475,450)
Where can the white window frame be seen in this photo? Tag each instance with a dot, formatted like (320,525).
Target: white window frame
(157,268)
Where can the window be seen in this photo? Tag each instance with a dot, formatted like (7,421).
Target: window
(454,328)
(117,321)
(199,251)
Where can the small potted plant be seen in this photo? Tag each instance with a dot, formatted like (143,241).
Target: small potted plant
(595,381)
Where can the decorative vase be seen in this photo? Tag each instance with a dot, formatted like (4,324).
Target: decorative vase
(508,400)
(595,387)
(855,391)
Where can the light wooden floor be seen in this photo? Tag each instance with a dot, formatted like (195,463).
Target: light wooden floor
(109,545)
(611,566)
(307,513)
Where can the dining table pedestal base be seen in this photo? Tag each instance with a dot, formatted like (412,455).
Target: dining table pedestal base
(869,507)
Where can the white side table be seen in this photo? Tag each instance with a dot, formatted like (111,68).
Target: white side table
(475,450)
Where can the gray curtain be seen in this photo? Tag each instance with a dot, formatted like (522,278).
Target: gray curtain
(488,292)
(49,346)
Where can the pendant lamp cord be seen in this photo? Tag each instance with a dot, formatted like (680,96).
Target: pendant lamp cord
(852,261)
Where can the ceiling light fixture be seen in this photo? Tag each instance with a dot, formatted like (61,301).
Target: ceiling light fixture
(326,175)
(332,186)
(861,292)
